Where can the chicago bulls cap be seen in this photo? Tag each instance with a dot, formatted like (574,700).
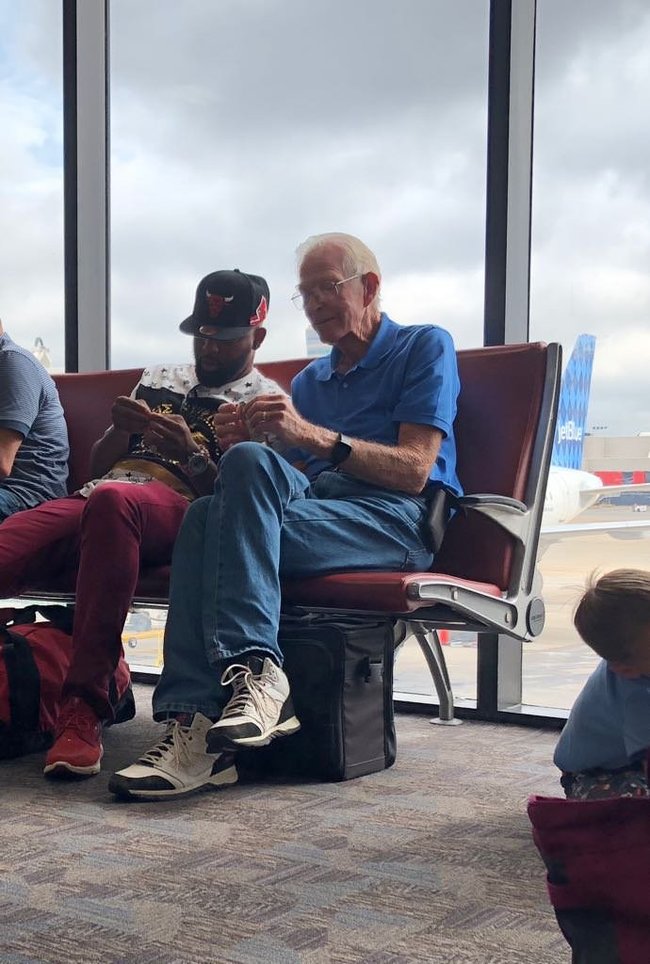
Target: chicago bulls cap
(229,304)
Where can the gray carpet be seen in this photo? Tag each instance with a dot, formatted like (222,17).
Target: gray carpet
(430,861)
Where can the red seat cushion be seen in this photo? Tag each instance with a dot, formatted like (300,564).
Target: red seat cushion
(374,591)
(386,592)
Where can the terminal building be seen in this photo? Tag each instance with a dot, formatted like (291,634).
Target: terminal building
(623,460)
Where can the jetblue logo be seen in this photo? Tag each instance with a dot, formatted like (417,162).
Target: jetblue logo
(569,432)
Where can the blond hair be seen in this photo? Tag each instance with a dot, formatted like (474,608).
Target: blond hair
(613,613)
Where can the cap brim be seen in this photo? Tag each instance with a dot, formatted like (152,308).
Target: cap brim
(188,327)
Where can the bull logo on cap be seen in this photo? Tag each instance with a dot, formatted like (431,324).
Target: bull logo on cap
(260,315)
(216,304)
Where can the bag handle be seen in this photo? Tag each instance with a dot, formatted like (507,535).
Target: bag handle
(60,616)
(24,682)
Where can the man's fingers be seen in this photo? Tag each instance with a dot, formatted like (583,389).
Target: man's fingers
(137,405)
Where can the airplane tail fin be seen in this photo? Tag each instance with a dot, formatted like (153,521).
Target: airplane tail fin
(574,402)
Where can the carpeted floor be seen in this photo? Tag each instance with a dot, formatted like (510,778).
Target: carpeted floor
(430,861)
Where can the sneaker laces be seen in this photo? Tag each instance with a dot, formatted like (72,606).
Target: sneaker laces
(176,745)
(76,716)
(247,689)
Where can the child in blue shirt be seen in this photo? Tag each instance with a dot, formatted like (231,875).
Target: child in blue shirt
(603,747)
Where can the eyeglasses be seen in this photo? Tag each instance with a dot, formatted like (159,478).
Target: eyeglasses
(327,289)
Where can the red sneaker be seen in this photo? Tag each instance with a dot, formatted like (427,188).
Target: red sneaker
(77,748)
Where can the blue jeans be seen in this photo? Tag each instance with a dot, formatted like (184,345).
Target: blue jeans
(9,503)
(265,521)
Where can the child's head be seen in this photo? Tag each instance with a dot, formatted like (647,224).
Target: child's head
(613,617)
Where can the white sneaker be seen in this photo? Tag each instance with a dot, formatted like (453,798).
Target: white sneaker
(178,764)
(259,709)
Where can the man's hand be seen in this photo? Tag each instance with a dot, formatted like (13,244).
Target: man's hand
(170,435)
(229,425)
(130,415)
(275,415)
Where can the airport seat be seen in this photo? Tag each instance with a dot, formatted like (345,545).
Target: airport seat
(485,575)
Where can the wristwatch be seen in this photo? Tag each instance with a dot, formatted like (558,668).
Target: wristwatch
(342,449)
(197,463)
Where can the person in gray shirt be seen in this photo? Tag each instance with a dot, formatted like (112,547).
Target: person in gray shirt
(33,435)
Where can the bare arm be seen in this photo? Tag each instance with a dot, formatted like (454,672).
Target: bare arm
(10,442)
(404,467)
(108,450)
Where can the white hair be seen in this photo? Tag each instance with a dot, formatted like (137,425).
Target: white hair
(357,256)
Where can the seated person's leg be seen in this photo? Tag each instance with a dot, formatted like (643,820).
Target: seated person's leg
(39,544)
(189,694)
(356,528)
(121,525)
(225,603)
(224,610)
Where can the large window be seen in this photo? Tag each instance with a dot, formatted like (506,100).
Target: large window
(591,250)
(238,129)
(31,177)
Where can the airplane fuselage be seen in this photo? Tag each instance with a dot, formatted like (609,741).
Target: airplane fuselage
(569,492)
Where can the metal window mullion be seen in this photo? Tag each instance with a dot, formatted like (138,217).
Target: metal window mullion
(509,170)
(511,74)
(86,184)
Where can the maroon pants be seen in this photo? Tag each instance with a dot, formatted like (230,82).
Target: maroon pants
(104,539)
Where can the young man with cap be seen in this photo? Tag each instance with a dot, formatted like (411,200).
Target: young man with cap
(159,454)
(372,425)
(33,434)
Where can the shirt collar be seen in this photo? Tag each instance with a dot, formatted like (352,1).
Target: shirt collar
(380,346)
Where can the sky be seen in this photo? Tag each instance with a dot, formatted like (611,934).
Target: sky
(240,127)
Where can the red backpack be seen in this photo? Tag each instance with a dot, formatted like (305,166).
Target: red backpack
(34,661)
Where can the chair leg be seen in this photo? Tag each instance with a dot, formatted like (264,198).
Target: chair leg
(429,643)
(401,632)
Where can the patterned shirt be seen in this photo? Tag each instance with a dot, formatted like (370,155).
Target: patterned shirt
(174,390)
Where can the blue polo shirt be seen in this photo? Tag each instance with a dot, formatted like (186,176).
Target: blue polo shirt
(609,724)
(409,374)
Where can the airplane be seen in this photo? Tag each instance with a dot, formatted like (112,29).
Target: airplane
(570,489)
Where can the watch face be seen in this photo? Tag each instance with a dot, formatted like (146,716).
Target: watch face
(197,463)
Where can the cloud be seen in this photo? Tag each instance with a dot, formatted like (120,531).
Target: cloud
(239,128)
(621,370)
(247,157)
(31,182)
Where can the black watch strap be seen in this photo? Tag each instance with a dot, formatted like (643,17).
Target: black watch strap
(342,449)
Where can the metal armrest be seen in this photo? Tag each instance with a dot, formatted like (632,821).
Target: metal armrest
(510,514)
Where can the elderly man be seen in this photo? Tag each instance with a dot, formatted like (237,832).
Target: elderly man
(158,455)
(371,427)
(33,434)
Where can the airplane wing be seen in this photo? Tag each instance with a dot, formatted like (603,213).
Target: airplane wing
(628,529)
(589,497)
